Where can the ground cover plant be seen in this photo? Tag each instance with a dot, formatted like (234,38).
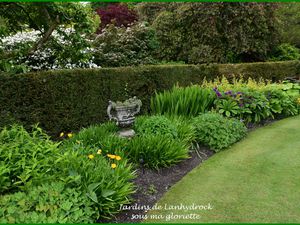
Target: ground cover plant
(47,203)
(218,132)
(32,159)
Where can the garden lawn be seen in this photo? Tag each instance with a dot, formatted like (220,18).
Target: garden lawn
(256,180)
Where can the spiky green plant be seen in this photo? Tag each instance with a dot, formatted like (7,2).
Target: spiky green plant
(184,101)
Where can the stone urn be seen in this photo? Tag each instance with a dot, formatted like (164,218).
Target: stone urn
(124,114)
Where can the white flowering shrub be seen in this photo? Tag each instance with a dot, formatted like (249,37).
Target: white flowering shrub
(65,50)
(120,46)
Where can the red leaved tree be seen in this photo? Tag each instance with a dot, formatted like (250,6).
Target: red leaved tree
(116,13)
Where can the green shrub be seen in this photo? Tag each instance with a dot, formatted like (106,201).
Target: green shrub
(94,134)
(189,101)
(29,159)
(25,158)
(120,46)
(92,171)
(281,103)
(247,104)
(217,132)
(285,52)
(160,125)
(48,203)
(185,130)
(155,151)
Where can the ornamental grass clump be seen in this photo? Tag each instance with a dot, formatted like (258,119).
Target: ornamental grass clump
(156,151)
(183,101)
(218,132)
(93,135)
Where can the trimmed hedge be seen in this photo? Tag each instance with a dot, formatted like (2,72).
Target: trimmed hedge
(66,100)
(273,71)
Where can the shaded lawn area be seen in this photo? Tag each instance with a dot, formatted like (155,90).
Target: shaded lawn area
(256,180)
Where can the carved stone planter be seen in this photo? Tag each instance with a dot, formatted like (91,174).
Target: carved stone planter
(124,114)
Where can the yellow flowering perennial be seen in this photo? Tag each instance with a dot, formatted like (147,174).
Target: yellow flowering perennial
(61,134)
(113,165)
(70,135)
(118,158)
(99,151)
(111,156)
(91,156)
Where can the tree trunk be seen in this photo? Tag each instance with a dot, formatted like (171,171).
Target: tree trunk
(45,37)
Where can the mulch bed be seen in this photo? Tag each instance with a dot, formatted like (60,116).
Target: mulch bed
(153,184)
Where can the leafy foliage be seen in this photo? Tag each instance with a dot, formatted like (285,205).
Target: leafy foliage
(93,135)
(155,151)
(125,46)
(47,203)
(189,101)
(253,101)
(47,51)
(108,187)
(25,158)
(28,160)
(117,14)
(217,32)
(289,16)
(285,52)
(217,132)
(156,125)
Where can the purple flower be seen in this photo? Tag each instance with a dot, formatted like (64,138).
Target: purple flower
(228,93)
(217,92)
(241,105)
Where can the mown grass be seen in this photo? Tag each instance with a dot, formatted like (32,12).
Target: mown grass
(255,181)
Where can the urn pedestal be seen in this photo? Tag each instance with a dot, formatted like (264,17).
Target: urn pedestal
(124,115)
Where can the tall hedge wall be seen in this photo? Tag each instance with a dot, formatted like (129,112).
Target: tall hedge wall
(67,100)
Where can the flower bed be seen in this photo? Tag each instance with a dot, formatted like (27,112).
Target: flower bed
(94,169)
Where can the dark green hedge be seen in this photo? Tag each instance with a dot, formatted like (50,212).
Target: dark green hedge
(67,100)
(268,70)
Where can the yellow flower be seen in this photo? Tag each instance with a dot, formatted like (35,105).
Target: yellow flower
(99,151)
(78,142)
(118,157)
(91,156)
(70,135)
(61,134)
(113,165)
(111,156)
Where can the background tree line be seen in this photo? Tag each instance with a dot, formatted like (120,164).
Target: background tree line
(121,34)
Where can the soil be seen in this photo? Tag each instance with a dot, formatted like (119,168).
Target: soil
(153,184)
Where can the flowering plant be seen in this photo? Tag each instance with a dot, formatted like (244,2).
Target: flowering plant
(65,50)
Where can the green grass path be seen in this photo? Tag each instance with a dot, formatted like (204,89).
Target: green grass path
(257,180)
